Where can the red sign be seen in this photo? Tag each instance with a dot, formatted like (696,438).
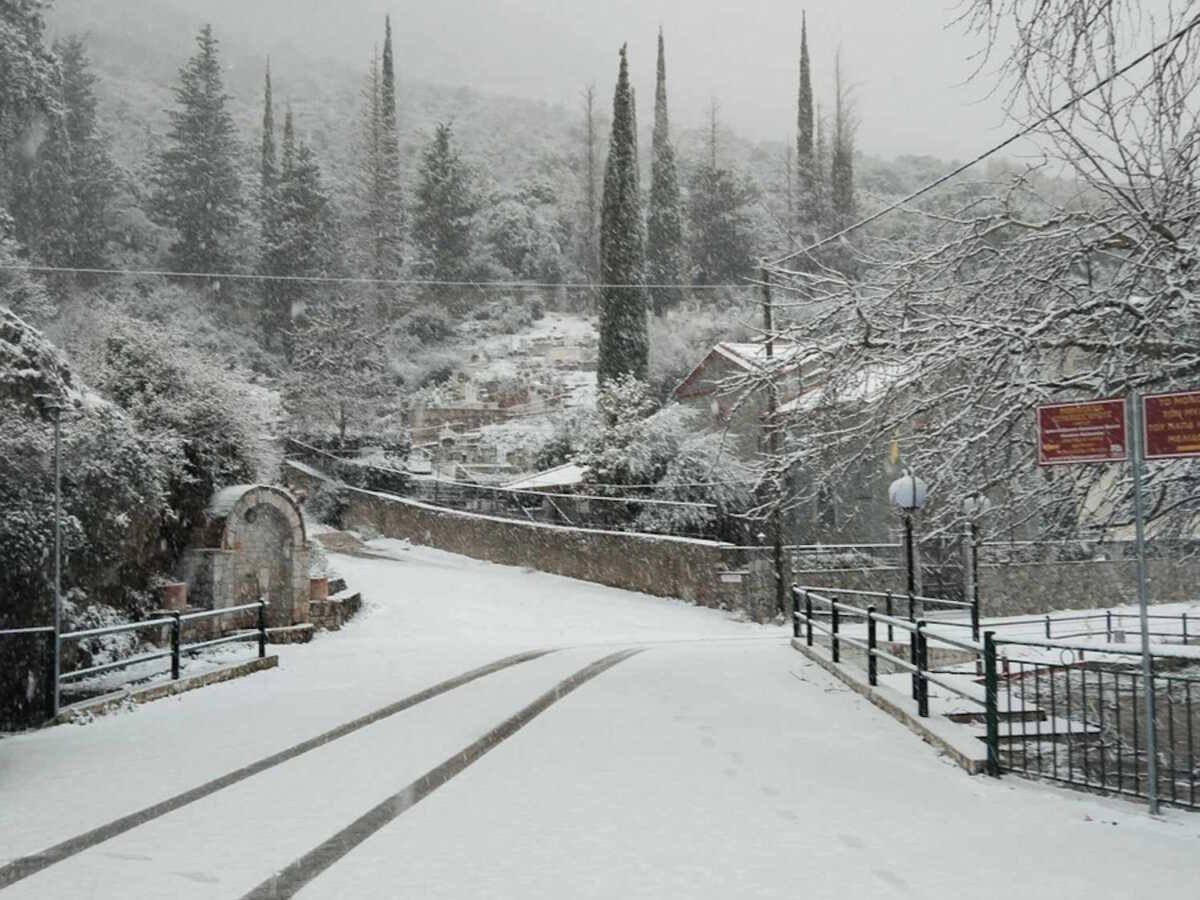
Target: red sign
(1171,425)
(1090,431)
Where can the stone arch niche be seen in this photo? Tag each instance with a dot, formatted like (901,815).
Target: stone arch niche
(253,545)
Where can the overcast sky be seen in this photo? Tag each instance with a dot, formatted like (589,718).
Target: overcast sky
(906,57)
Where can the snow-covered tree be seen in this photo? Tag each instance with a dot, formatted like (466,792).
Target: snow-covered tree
(29,82)
(338,374)
(624,343)
(1036,287)
(721,237)
(302,238)
(664,225)
(197,187)
(808,208)
(444,205)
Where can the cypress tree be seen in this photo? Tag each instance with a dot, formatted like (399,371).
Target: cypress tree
(269,164)
(389,251)
(664,228)
(842,164)
(624,341)
(197,190)
(808,216)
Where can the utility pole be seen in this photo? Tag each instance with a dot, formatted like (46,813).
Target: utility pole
(782,573)
(54,405)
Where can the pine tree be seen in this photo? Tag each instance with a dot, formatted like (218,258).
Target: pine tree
(444,207)
(842,164)
(93,173)
(720,231)
(304,237)
(29,81)
(43,203)
(197,190)
(807,180)
(664,227)
(624,341)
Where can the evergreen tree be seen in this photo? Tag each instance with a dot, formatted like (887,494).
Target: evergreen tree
(444,206)
(269,161)
(589,245)
(197,189)
(29,81)
(304,236)
(273,324)
(389,249)
(842,164)
(63,192)
(43,204)
(624,341)
(720,230)
(93,175)
(807,179)
(379,225)
(823,215)
(664,227)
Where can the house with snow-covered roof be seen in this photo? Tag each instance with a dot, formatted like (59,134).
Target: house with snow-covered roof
(730,387)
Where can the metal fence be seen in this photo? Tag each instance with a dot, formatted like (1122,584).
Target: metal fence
(175,649)
(1047,710)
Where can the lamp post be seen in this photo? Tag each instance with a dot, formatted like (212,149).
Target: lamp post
(54,406)
(974,505)
(907,494)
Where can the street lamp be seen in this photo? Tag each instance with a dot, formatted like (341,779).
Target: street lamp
(54,405)
(974,505)
(907,493)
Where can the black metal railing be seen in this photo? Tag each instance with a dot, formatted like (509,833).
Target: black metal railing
(811,605)
(1048,710)
(1082,722)
(172,647)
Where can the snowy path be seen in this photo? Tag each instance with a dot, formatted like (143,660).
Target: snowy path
(716,762)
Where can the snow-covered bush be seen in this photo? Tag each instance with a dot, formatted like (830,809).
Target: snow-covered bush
(630,446)
(704,473)
(202,427)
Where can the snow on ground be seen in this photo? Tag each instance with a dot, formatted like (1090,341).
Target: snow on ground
(715,763)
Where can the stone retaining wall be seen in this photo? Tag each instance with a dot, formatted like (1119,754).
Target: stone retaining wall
(705,573)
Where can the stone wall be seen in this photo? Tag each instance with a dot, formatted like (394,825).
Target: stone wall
(702,572)
(1022,588)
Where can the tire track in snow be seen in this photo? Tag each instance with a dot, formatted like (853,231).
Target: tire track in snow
(288,881)
(25,866)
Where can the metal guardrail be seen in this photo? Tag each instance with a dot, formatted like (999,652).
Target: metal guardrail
(176,650)
(1083,723)
(1076,721)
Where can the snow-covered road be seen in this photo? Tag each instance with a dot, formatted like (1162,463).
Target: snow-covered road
(715,762)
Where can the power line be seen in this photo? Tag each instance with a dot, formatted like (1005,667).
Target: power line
(1024,132)
(335,279)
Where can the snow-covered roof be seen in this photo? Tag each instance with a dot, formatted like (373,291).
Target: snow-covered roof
(749,356)
(868,384)
(560,476)
(752,355)
(226,499)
